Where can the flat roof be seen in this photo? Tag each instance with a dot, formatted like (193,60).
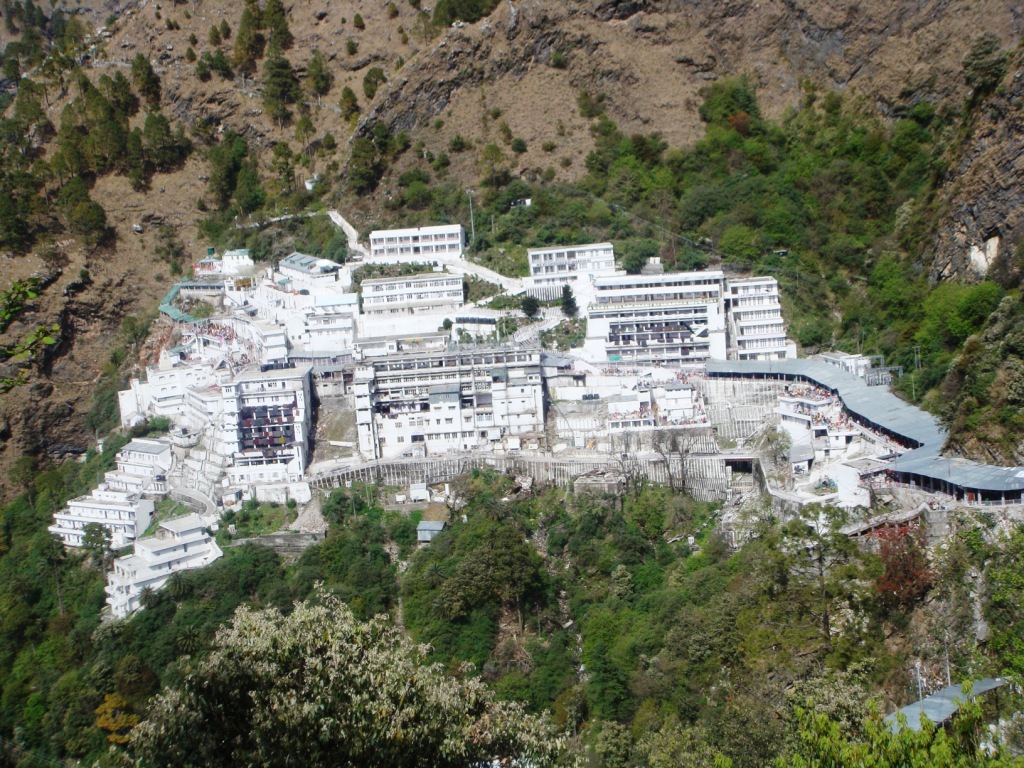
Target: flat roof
(306,263)
(412,278)
(553,248)
(334,299)
(436,229)
(668,277)
(183,523)
(140,445)
(274,374)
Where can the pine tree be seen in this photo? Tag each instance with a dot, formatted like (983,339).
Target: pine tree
(319,76)
(280,88)
(569,308)
(145,80)
(348,103)
(276,22)
(248,44)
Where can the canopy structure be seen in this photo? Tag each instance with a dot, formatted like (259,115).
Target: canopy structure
(940,706)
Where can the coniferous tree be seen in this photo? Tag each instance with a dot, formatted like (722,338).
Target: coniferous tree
(248,43)
(249,193)
(275,20)
(145,80)
(280,88)
(319,76)
(569,308)
(348,103)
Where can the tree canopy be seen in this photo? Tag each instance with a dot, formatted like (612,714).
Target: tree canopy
(316,687)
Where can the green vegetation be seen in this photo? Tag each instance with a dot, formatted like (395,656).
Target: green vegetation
(690,653)
(253,519)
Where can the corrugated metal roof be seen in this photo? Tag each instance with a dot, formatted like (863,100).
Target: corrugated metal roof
(940,706)
(876,405)
(879,407)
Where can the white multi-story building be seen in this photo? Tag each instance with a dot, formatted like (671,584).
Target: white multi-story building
(266,421)
(142,467)
(672,319)
(124,515)
(449,400)
(163,393)
(446,240)
(180,544)
(551,268)
(756,330)
(433,293)
(329,325)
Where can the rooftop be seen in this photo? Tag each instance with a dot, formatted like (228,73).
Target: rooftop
(880,407)
(141,445)
(308,264)
(183,523)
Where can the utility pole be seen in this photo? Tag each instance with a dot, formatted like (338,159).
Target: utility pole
(472,221)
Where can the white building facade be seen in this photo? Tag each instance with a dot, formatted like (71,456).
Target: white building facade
(180,544)
(266,422)
(124,515)
(672,319)
(551,268)
(756,329)
(447,240)
(415,295)
(447,401)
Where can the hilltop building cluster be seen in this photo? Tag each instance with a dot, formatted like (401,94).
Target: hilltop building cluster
(671,368)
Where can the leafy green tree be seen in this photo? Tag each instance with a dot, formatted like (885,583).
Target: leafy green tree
(225,29)
(727,98)
(318,76)
(145,80)
(823,743)
(273,680)
(358,23)
(89,220)
(214,36)
(530,305)
(568,302)
(637,253)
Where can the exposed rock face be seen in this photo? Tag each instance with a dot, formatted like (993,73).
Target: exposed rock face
(652,58)
(984,195)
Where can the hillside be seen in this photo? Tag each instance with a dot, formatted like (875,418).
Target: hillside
(517,73)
